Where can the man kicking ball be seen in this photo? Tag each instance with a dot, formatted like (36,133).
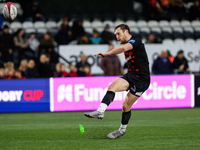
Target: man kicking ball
(137,79)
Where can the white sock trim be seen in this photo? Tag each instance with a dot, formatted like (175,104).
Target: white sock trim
(102,107)
(123,127)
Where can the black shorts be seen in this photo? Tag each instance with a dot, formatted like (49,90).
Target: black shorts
(137,85)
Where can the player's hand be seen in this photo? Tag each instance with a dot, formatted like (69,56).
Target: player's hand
(101,54)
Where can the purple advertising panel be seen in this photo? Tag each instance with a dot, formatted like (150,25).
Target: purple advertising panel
(86,93)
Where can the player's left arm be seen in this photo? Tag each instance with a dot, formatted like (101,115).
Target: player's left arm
(117,50)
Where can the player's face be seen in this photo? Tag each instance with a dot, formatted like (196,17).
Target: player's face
(120,35)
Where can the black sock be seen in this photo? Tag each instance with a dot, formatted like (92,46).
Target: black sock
(125,117)
(109,97)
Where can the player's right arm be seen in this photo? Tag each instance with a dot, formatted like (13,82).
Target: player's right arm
(117,50)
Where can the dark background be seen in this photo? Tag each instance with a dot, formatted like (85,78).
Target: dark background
(66,6)
(197,85)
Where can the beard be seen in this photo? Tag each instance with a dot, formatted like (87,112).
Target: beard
(122,41)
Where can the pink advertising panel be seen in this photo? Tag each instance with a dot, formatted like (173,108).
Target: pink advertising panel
(86,93)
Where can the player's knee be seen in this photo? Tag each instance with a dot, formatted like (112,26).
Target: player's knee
(126,108)
(111,88)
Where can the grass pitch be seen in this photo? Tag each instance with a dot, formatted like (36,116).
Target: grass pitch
(177,129)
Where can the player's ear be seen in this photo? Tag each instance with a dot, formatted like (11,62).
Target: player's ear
(127,32)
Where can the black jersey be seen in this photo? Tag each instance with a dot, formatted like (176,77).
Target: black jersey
(137,60)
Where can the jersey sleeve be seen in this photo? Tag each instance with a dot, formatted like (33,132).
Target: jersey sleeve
(135,42)
(131,42)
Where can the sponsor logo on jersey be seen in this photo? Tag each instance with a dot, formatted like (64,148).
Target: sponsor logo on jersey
(128,58)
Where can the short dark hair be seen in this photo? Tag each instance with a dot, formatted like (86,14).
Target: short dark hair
(5,26)
(180,51)
(95,31)
(32,33)
(123,27)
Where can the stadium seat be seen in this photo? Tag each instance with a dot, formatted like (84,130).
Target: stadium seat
(178,33)
(1,6)
(164,23)
(15,25)
(167,29)
(29,30)
(185,23)
(167,41)
(27,25)
(108,22)
(53,32)
(155,29)
(51,25)
(70,23)
(43,31)
(142,23)
(198,41)
(167,33)
(174,23)
(145,29)
(100,29)
(117,22)
(39,25)
(197,32)
(59,23)
(88,34)
(131,23)
(17,5)
(190,41)
(188,32)
(179,41)
(6,23)
(89,30)
(153,23)
(144,32)
(39,36)
(87,24)
(134,31)
(189,4)
(96,24)
(156,32)
(74,42)
(195,23)
(112,29)
(10,31)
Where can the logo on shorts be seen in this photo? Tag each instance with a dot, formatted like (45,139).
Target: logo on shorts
(138,93)
(133,88)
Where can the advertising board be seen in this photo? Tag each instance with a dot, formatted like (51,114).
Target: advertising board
(86,93)
(27,95)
